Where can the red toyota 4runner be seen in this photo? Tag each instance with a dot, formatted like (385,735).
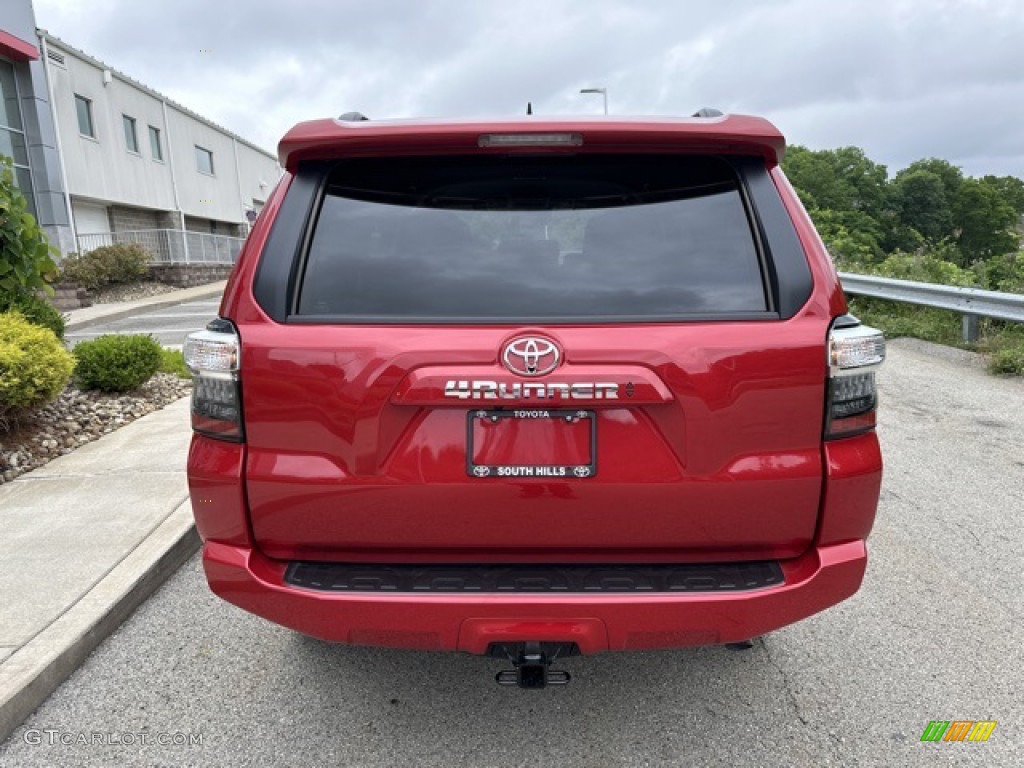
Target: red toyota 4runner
(534,387)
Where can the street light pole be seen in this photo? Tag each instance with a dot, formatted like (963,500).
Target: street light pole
(602,91)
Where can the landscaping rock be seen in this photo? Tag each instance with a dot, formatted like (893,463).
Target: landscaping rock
(76,418)
(113,294)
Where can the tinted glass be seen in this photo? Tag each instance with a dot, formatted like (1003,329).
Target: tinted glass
(204,160)
(10,115)
(131,138)
(84,108)
(154,143)
(12,144)
(530,239)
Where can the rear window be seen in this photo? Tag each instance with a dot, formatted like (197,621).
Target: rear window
(532,239)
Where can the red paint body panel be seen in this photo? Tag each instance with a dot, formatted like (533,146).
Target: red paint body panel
(816,580)
(853,483)
(217,488)
(729,134)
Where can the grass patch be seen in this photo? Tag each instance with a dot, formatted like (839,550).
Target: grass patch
(1009,361)
(1002,343)
(173,361)
(1005,349)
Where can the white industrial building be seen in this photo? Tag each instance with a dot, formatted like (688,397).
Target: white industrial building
(137,162)
(103,158)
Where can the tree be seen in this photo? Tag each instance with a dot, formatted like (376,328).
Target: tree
(929,205)
(841,179)
(920,202)
(846,195)
(985,222)
(26,256)
(849,247)
(979,215)
(950,175)
(1010,188)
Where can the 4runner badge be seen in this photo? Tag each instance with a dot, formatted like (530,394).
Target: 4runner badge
(489,389)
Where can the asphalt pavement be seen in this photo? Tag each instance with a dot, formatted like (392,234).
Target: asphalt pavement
(934,634)
(168,324)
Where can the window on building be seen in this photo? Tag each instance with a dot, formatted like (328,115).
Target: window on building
(84,108)
(154,143)
(131,136)
(204,160)
(12,145)
(10,115)
(12,134)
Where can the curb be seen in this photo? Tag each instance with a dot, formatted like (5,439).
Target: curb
(38,668)
(120,311)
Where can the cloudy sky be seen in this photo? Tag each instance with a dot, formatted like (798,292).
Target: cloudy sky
(903,79)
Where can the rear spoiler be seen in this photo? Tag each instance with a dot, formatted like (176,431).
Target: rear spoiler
(724,134)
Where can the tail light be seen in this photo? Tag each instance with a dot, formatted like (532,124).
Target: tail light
(213,357)
(855,352)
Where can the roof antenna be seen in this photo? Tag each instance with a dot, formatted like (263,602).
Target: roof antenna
(529,108)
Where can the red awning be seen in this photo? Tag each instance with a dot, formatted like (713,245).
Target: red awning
(15,48)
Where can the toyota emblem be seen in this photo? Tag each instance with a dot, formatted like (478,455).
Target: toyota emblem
(531,356)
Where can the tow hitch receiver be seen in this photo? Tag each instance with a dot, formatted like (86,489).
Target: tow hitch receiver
(532,662)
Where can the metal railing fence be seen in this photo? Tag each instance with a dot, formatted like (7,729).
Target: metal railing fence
(171,246)
(972,303)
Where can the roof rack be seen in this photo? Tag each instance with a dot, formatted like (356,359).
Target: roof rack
(352,117)
(708,112)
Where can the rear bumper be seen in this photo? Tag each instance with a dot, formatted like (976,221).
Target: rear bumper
(817,580)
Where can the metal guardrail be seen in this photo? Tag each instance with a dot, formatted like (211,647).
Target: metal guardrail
(171,246)
(971,302)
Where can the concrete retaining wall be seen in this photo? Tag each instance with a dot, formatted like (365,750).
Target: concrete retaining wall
(189,275)
(67,297)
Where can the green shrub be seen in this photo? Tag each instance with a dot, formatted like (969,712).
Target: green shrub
(117,363)
(174,362)
(128,263)
(26,256)
(36,310)
(932,266)
(898,319)
(1001,273)
(34,366)
(78,269)
(1009,360)
(1004,344)
(107,265)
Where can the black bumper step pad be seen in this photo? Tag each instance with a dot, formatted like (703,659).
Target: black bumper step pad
(559,579)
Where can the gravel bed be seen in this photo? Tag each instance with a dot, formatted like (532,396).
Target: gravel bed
(78,417)
(113,294)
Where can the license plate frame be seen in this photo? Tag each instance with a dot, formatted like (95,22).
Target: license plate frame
(532,471)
